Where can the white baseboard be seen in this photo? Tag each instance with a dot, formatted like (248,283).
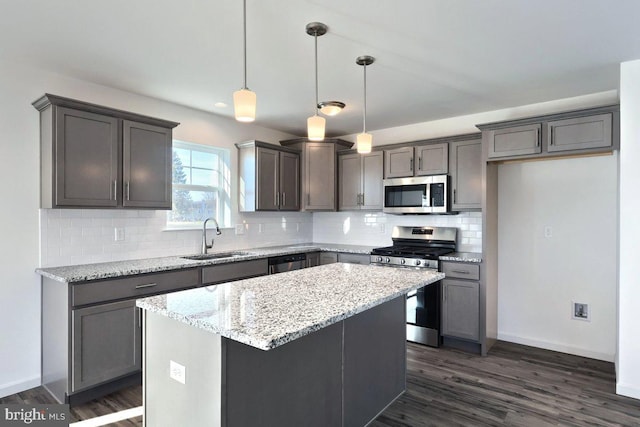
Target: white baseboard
(8,389)
(627,390)
(557,347)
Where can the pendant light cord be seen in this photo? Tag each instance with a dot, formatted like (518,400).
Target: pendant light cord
(315,38)
(364,117)
(244,25)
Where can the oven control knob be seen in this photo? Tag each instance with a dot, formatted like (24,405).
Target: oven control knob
(388,260)
(418,262)
(403,261)
(379,259)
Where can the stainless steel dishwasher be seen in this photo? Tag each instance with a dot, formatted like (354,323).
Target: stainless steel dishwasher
(280,264)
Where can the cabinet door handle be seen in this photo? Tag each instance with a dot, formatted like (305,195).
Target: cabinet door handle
(551,135)
(419,163)
(128,190)
(362,199)
(411,164)
(284,199)
(308,198)
(454,195)
(115,189)
(537,138)
(147,285)
(277,202)
(460,271)
(272,269)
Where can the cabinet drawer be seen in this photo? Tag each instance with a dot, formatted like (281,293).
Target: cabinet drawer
(234,271)
(133,286)
(461,270)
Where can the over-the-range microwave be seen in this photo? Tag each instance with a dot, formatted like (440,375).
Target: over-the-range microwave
(417,195)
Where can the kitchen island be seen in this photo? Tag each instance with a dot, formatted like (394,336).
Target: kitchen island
(323,346)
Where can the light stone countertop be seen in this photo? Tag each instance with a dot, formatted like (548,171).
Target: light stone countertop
(462,257)
(109,270)
(269,311)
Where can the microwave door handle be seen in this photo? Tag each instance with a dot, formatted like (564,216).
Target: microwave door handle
(428,195)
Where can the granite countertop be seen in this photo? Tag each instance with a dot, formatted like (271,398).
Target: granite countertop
(269,311)
(462,257)
(109,270)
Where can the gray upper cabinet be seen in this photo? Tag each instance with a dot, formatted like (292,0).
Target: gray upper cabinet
(398,162)
(515,141)
(269,177)
(416,160)
(86,167)
(107,343)
(580,133)
(466,174)
(318,160)
(147,163)
(94,156)
(432,159)
(360,181)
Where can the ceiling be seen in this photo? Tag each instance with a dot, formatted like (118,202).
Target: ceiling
(434,58)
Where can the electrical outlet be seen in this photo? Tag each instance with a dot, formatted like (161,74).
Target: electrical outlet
(580,311)
(239,229)
(548,231)
(260,228)
(118,234)
(177,372)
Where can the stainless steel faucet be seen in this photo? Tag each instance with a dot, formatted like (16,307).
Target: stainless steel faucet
(205,246)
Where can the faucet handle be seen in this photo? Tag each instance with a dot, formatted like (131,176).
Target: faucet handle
(218,232)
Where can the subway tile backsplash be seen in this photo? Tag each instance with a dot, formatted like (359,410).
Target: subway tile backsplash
(375,228)
(81,236)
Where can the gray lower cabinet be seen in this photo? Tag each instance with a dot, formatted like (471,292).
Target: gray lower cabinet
(269,177)
(318,171)
(313,259)
(580,133)
(106,343)
(328,258)
(354,258)
(465,166)
(94,156)
(428,159)
(461,300)
(360,181)
(514,141)
(234,271)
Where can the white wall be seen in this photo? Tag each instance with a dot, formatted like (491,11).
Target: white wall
(374,228)
(540,276)
(19,247)
(628,366)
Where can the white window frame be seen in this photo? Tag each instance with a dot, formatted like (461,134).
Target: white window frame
(223,216)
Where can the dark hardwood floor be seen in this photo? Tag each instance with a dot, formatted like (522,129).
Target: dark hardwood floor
(514,385)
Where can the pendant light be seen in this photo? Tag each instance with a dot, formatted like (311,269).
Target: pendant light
(364,139)
(244,100)
(316,123)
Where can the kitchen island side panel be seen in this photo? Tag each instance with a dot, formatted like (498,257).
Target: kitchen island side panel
(168,402)
(296,384)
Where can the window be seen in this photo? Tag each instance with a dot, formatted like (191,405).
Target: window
(201,185)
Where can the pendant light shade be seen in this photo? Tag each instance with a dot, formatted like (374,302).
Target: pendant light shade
(315,128)
(363,143)
(244,104)
(244,100)
(315,123)
(364,140)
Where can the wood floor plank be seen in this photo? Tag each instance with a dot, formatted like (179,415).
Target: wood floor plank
(514,385)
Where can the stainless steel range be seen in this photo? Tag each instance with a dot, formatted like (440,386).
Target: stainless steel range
(419,247)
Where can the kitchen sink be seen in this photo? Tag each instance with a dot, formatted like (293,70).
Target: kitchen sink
(218,255)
